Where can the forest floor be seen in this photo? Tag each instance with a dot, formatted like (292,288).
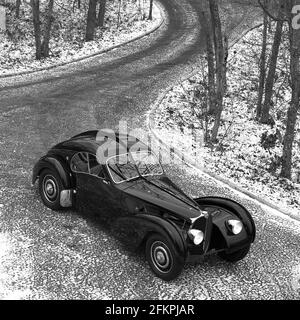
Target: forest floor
(17,46)
(247,153)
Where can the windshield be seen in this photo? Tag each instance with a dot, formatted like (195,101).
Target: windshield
(125,167)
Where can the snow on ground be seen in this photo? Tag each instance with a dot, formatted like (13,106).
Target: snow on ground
(240,156)
(68,31)
(11,288)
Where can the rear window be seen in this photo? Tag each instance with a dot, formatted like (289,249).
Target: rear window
(84,162)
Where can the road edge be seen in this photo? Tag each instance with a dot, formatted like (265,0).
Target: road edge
(61,64)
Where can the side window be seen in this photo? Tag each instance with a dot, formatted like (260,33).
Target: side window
(96,169)
(79,162)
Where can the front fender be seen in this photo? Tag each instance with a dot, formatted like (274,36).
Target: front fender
(53,163)
(235,208)
(135,230)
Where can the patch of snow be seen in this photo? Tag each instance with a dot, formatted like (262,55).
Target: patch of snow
(240,155)
(68,32)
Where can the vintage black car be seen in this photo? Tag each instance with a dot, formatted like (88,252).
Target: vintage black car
(121,179)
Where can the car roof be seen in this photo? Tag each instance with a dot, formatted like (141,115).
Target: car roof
(90,141)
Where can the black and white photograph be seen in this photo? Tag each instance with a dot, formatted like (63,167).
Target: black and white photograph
(150,151)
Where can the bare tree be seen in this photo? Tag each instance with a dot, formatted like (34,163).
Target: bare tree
(42,43)
(18,5)
(294,46)
(265,111)
(150,10)
(101,13)
(210,62)
(78,2)
(91,21)
(262,65)
(47,30)
(220,57)
(119,13)
(35,5)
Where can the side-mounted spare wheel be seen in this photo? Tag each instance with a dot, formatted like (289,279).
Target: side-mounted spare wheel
(50,187)
(163,258)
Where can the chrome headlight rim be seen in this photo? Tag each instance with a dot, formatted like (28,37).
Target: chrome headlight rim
(196,236)
(235,226)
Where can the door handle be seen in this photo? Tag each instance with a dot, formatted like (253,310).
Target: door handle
(106,182)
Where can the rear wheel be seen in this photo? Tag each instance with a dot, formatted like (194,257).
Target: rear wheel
(50,187)
(236,255)
(163,258)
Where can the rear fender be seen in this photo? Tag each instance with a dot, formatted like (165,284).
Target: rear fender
(53,163)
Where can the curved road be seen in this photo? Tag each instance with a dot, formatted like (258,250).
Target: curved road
(63,255)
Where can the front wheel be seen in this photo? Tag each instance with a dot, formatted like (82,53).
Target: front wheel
(163,258)
(50,187)
(236,255)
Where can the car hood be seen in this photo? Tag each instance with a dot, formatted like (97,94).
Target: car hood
(163,193)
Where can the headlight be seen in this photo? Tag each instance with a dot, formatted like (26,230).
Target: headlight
(235,226)
(196,236)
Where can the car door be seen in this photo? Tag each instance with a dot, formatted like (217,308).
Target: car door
(95,194)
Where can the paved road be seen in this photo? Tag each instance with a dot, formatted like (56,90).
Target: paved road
(64,255)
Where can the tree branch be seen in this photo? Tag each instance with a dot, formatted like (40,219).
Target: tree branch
(269,13)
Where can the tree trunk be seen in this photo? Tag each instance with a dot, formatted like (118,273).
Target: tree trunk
(220,65)
(35,5)
(265,112)
(91,21)
(18,5)
(78,2)
(101,13)
(210,63)
(294,108)
(289,137)
(226,53)
(47,32)
(262,68)
(211,75)
(119,14)
(150,10)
